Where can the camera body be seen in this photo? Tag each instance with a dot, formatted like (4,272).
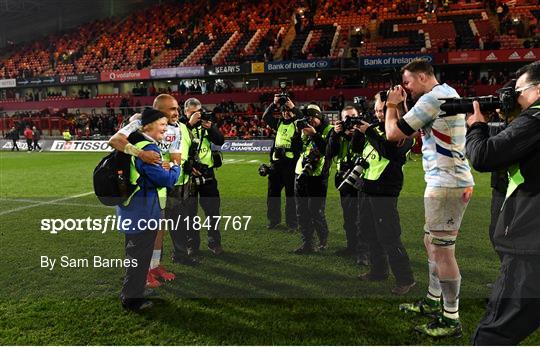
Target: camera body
(208,116)
(309,162)
(283,96)
(193,161)
(302,123)
(383,95)
(505,100)
(350,122)
(265,170)
(197,165)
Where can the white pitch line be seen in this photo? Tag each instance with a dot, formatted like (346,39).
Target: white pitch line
(54,203)
(22,208)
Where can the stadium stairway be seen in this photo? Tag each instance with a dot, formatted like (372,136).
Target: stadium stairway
(219,57)
(212,48)
(287,41)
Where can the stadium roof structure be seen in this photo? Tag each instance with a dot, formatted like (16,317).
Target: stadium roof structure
(22,20)
(11,10)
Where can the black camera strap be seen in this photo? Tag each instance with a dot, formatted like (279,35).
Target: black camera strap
(349,156)
(200,137)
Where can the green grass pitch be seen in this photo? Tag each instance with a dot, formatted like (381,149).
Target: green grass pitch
(258,292)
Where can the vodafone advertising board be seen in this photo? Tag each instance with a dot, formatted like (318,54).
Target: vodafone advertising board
(494,56)
(132,75)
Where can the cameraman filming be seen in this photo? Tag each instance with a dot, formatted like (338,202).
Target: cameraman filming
(198,133)
(340,148)
(283,158)
(378,216)
(311,183)
(513,311)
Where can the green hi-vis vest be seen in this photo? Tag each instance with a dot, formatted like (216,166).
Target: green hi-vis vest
(307,146)
(284,136)
(134,176)
(514,176)
(186,144)
(67,135)
(344,149)
(377,163)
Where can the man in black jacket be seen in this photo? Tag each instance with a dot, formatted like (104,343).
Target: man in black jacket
(14,136)
(283,157)
(344,154)
(311,182)
(513,311)
(198,135)
(381,184)
(499,184)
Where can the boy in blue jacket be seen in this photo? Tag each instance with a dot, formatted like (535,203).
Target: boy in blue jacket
(144,208)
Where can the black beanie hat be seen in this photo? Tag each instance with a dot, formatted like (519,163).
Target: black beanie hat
(150,115)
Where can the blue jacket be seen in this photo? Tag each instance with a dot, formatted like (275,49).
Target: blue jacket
(144,204)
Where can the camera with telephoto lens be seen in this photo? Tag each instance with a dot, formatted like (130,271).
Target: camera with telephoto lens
(309,162)
(265,170)
(352,176)
(505,100)
(193,161)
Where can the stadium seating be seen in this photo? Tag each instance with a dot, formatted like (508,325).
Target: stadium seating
(244,31)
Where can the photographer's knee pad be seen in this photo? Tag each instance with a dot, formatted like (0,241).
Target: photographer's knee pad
(447,241)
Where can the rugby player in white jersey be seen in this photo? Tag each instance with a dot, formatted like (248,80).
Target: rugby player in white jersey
(449,188)
(170,149)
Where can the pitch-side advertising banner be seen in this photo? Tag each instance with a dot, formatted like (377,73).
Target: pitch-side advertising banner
(297,65)
(80,146)
(7,145)
(181,71)
(391,61)
(132,75)
(75,79)
(262,146)
(494,56)
(9,83)
(246,146)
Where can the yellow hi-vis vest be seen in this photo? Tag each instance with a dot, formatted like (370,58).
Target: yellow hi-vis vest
(284,136)
(134,176)
(377,163)
(67,135)
(308,145)
(342,156)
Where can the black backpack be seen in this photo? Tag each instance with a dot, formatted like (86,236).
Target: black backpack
(111,177)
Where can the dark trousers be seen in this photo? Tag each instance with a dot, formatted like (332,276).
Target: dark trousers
(175,210)
(497,200)
(14,145)
(513,310)
(139,247)
(281,176)
(310,195)
(379,220)
(207,195)
(36,145)
(29,144)
(349,205)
